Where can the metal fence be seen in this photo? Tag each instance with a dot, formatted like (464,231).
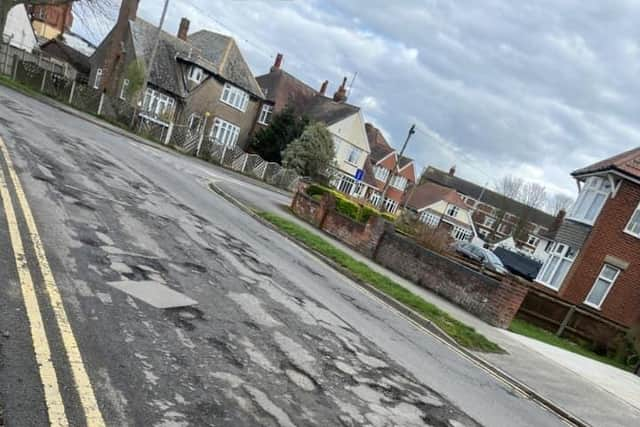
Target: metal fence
(55,80)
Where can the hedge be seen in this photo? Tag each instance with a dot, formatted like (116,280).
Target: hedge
(347,207)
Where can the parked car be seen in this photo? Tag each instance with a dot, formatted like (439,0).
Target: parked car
(484,256)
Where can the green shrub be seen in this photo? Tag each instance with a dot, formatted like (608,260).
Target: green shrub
(315,190)
(366,212)
(388,217)
(347,208)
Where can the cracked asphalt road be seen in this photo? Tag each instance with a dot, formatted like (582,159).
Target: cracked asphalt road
(277,338)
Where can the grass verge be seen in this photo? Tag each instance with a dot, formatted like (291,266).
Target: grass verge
(528,330)
(463,334)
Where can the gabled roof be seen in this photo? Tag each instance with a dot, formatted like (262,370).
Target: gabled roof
(72,49)
(326,110)
(213,52)
(429,193)
(627,162)
(380,148)
(284,90)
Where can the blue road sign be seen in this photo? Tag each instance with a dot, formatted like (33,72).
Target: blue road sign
(359,175)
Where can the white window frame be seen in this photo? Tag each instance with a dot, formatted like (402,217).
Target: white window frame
(193,117)
(266,114)
(123,89)
(633,226)
(593,187)
(374,198)
(346,184)
(489,221)
(196,74)
(381,174)
(98,79)
(533,240)
(224,133)
(390,205)
(453,211)
(235,97)
(356,153)
(461,234)
(399,182)
(429,218)
(607,281)
(157,104)
(560,253)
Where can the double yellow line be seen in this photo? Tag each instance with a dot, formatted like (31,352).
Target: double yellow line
(48,376)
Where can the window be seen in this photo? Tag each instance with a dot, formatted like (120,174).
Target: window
(505,229)
(633,227)
(224,133)
(195,122)
(390,206)
(346,184)
(533,240)
(603,285)
(235,97)
(196,74)
(430,219)
(591,200)
(548,247)
(489,222)
(381,173)
(157,104)
(461,234)
(374,198)
(399,182)
(557,266)
(266,114)
(98,80)
(453,211)
(125,89)
(354,155)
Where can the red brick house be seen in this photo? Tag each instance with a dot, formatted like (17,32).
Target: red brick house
(595,259)
(49,21)
(381,164)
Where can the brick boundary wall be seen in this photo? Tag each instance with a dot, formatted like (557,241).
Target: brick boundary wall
(495,302)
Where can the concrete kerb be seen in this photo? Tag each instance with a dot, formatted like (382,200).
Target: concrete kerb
(416,318)
(155,145)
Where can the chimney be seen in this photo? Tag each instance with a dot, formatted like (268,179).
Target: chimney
(278,63)
(323,88)
(341,93)
(183,31)
(128,11)
(557,222)
(452,171)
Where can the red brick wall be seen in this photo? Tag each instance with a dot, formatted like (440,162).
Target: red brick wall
(622,305)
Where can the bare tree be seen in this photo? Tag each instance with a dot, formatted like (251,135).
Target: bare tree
(559,202)
(510,186)
(88,11)
(533,195)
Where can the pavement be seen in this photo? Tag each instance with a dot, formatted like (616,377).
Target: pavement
(277,337)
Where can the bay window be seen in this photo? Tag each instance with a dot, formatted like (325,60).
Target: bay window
(381,173)
(461,234)
(157,104)
(235,97)
(390,206)
(602,286)
(224,133)
(431,219)
(399,182)
(557,266)
(592,198)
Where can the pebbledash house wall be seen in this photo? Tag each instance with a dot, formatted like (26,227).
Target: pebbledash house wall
(608,239)
(495,302)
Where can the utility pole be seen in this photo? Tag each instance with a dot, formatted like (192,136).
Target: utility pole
(412,131)
(154,51)
(413,189)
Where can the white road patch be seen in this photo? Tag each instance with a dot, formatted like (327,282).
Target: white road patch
(257,356)
(371,361)
(301,380)
(233,380)
(121,268)
(269,407)
(105,239)
(154,293)
(184,340)
(278,295)
(347,369)
(104,298)
(297,354)
(253,308)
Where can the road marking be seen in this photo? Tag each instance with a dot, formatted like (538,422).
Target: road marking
(48,377)
(83,385)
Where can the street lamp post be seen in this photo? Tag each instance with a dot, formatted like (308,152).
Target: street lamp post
(396,168)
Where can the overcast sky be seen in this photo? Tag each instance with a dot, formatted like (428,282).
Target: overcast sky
(535,89)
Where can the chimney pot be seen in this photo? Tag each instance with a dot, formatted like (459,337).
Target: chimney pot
(323,88)
(183,31)
(341,93)
(277,63)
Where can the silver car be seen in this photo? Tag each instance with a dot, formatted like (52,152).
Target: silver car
(484,256)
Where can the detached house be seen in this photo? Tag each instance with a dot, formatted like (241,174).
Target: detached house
(495,216)
(383,161)
(344,122)
(200,81)
(442,207)
(594,262)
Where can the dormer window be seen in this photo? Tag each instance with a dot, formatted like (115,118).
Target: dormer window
(196,74)
(592,198)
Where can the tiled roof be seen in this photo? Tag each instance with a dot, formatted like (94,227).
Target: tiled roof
(380,148)
(486,196)
(213,52)
(326,110)
(283,90)
(429,193)
(627,162)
